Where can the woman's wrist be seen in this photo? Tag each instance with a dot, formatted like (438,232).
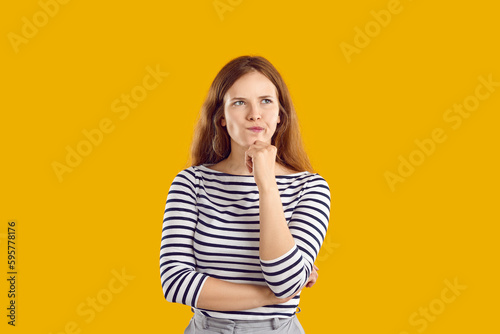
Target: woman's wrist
(267,186)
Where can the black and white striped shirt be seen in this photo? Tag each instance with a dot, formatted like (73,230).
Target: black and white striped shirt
(211,228)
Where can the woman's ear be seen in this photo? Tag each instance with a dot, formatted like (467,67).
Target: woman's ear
(223,121)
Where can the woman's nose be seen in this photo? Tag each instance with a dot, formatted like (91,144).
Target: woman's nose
(254,113)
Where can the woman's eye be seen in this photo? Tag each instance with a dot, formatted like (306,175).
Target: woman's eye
(267,101)
(238,103)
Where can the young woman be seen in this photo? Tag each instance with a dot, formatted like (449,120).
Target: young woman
(243,225)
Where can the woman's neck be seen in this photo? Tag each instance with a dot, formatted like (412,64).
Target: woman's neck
(234,163)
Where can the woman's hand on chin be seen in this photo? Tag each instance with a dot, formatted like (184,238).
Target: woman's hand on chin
(260,159)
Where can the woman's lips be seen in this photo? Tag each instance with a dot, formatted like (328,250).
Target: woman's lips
(256,129)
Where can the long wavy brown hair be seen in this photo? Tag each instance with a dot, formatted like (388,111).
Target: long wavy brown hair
(211,141)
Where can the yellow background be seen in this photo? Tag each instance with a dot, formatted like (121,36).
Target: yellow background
(387,253)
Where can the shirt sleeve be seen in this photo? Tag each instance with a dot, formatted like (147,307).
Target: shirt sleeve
(180,281)
(308,225)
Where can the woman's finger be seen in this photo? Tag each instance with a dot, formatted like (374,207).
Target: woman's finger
(313,277)
(249,162)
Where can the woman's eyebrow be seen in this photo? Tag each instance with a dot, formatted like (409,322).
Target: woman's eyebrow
(260,97)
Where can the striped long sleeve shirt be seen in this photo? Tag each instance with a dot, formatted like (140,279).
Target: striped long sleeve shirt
(211,229)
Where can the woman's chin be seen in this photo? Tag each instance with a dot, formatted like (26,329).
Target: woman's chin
(251,141)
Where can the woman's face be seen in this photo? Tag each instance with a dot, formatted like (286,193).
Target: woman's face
(251,110)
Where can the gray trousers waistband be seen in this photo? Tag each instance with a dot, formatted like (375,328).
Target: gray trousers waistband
(202,322)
